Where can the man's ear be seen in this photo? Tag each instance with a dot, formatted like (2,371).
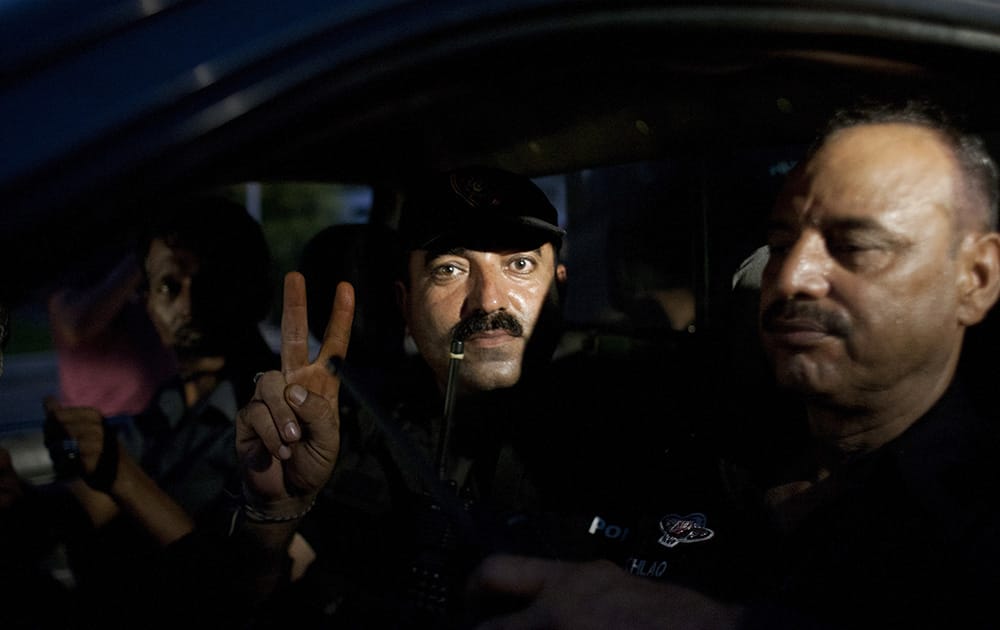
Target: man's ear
(979,284)
(561,273)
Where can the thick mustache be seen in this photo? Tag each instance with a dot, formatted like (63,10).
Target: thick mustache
(784,313)
(482,322)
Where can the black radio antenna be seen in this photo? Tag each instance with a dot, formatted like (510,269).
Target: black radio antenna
(456,355)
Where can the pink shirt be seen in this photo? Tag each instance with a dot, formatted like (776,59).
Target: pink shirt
(119,371)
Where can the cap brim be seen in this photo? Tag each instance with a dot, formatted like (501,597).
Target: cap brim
(521,233)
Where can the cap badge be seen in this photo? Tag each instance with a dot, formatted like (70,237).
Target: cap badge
(474,190)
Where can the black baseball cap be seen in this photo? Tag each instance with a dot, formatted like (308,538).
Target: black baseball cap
(478,207)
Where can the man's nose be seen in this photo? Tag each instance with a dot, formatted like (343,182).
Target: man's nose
(485,292)
(803,270)
(185,298)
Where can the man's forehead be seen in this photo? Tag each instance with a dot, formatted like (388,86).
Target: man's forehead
(161,255)
(883,215)
(880,149)
(872,170)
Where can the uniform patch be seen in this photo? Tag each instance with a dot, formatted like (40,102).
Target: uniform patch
(683,529)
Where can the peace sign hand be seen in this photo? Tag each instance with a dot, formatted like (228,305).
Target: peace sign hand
(288,435)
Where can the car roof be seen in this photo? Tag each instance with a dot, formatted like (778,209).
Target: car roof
(108,104)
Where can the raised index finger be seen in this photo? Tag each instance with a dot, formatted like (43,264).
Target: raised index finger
(294,324)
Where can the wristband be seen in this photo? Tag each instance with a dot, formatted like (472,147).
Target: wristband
(256,515)
(64,452)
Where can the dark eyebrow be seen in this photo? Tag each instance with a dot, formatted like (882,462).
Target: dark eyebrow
(431,254)
(852,224)
(857,226)
(841,225)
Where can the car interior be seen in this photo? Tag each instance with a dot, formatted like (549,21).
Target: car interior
(660,130)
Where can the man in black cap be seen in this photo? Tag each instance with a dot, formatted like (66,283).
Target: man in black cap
(399,504)
(482,261)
